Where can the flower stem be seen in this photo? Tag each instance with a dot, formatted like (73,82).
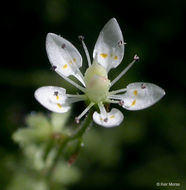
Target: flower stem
(78,134)
(56,159)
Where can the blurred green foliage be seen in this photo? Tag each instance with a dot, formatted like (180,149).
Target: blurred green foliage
(39,141)
(148,147)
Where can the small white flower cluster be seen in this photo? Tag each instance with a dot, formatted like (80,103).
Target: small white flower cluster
(108,53)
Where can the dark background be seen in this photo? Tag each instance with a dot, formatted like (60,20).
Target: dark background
(152,29)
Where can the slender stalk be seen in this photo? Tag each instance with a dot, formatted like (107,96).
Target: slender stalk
(123,72)
(112,101)
(76,96)
(85,49)
(118,91)
(72,82)
(48,149)
(56,159)
(85,111)
(78,134)
(116,97)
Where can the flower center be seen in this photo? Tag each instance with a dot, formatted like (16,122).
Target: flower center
(97,83)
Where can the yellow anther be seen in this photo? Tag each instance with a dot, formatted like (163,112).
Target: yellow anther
(104,55)
(135,92)
(59,105)
(70,62)
(74,59)
(65,66)
(115,57)
(112,117)
(133,103)
(57,97)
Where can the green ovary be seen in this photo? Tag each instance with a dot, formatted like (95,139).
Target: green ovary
(97,83)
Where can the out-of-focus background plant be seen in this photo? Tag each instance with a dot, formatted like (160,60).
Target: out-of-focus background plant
(149,146)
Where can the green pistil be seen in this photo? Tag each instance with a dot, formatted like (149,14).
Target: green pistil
(97,83)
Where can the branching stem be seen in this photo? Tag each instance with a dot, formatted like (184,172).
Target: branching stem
(66,139)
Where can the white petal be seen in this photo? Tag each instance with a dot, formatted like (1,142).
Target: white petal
(141,95)
(113,119)
(109,48)
(63,56)
(53,98)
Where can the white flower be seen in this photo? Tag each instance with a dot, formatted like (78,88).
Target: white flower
(108,53)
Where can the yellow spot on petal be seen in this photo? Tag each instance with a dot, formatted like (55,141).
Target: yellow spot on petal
(133,103)
(104,55)
(57,97)
(112,117)
(135,92)
(59,105)
(65,66)
(70,62)
(74,59)
(101,119)
(116,57)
